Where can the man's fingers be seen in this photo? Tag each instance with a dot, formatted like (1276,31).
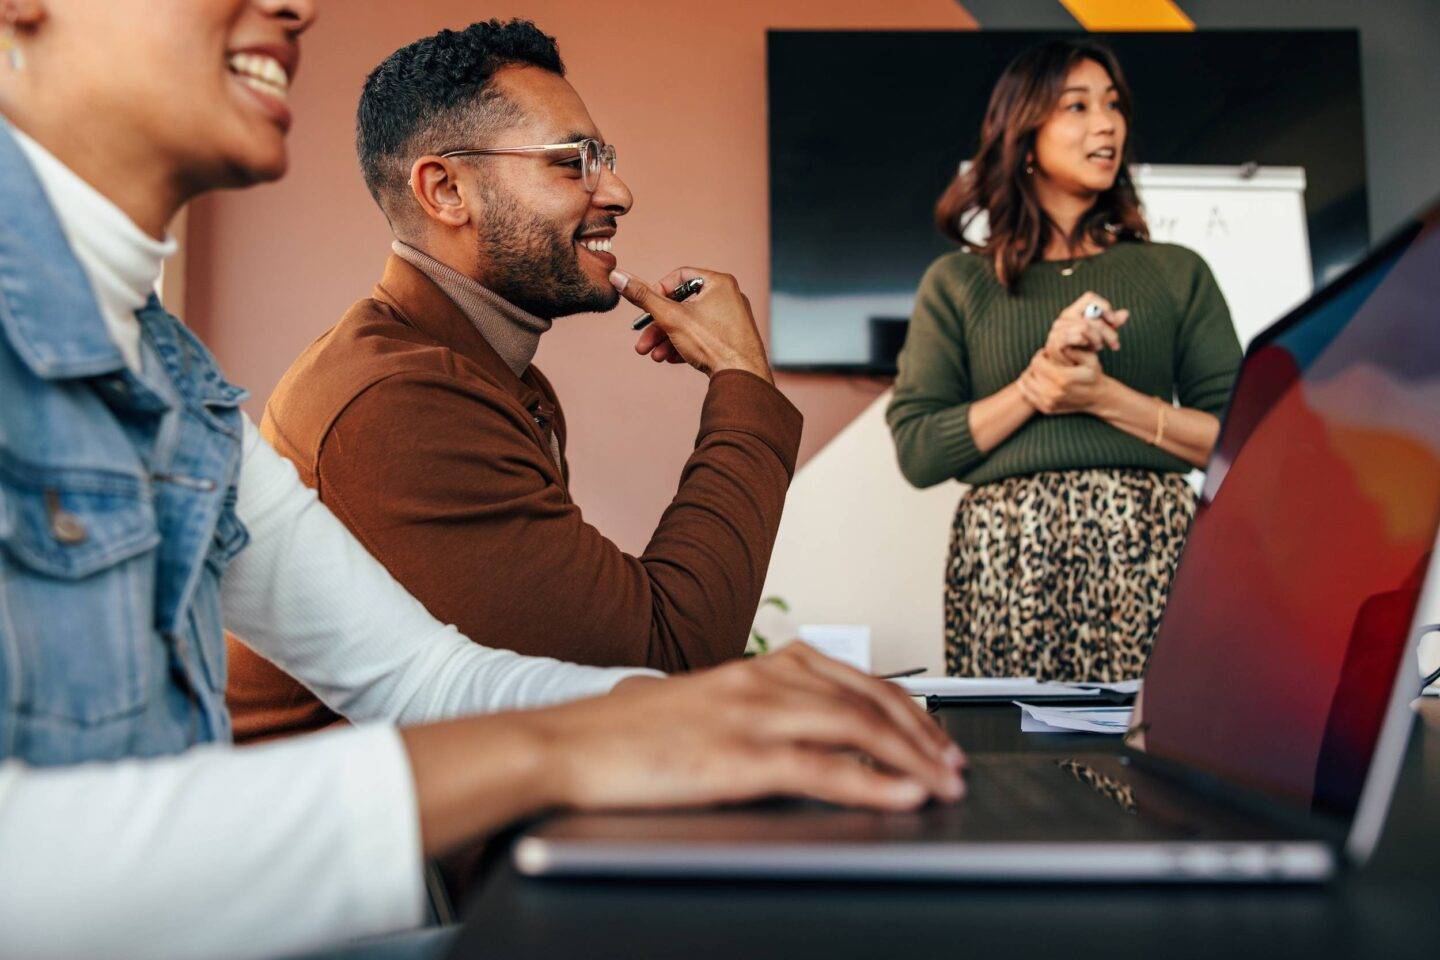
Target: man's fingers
(679,275)
(650,338)
(636,291)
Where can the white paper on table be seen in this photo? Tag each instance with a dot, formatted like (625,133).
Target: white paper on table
(1120,686)
(1097,719)
(1007,687)
(846,642)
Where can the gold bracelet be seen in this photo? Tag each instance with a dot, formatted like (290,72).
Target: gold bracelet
(1160,406)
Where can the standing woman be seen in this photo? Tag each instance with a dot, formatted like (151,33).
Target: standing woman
(1013,380)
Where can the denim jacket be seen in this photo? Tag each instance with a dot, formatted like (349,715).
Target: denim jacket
(117,510)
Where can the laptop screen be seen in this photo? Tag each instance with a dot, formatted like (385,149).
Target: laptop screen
(1292,605)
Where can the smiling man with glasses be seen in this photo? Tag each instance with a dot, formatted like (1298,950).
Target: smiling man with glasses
(422,423)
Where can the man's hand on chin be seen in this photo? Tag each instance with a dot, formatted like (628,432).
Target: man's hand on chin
(712,331)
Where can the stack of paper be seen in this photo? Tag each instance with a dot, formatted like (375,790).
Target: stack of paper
(1007,687)
(1036,719)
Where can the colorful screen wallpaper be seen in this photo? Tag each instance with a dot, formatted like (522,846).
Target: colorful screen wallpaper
(1293,601)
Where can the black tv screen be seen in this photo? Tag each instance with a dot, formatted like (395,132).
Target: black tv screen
(867,128)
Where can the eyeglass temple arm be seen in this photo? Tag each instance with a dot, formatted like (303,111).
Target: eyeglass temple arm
(534,148)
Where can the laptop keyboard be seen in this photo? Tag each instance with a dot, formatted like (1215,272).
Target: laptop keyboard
(1020,795)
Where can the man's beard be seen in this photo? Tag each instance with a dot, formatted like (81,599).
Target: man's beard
(535,266)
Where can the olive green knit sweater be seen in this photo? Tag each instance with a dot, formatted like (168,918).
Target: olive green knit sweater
(969,338)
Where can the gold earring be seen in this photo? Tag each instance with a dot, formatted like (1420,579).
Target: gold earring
(10,46)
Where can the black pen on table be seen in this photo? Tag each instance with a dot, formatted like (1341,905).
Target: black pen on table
(683,291)
(912,672)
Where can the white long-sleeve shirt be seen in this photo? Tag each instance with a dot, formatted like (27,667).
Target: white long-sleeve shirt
(306,595)
(220,852)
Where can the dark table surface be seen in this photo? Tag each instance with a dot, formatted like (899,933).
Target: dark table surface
(1389,909)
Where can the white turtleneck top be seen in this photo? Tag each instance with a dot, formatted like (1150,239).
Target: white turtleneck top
(122,261)
(267,850)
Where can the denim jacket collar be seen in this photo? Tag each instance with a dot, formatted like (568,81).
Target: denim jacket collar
(187,363)
(48,312)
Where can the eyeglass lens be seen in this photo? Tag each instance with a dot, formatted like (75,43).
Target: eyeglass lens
(592,154)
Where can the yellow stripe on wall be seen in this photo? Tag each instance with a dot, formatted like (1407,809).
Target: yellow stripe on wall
(1129,14)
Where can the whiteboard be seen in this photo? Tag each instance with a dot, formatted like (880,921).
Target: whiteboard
(1248,224)
(857,544)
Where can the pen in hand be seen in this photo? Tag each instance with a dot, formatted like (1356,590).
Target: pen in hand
(685,290)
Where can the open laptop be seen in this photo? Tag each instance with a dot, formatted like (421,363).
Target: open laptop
(1276,702)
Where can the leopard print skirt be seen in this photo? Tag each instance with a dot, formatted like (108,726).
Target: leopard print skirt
(1063,575)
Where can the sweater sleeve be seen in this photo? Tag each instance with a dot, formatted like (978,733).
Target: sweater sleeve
(1207,354)
(473,519)
(929,415)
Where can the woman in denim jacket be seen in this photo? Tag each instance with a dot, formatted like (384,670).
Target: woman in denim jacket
(139,511)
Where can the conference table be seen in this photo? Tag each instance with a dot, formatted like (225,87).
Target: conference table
(1389,909)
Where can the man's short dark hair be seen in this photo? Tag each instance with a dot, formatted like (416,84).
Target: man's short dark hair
(435,94)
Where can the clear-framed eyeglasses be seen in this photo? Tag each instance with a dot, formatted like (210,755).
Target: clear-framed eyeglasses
(590,154)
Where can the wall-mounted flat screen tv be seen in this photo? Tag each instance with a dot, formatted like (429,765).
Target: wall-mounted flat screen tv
(867,128)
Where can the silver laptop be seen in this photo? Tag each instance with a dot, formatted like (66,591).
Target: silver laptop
(1277,697)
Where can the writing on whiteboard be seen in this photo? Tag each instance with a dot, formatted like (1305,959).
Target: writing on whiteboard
(1249,225)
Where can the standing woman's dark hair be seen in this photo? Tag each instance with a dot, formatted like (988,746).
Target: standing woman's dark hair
(1000,178)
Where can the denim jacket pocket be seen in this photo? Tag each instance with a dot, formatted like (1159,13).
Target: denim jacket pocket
(77,567)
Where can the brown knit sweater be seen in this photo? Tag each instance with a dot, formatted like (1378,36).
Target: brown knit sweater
(421,439)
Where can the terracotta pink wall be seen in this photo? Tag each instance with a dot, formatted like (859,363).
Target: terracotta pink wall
(678,85)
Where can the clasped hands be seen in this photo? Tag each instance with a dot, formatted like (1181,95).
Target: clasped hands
(1065,376)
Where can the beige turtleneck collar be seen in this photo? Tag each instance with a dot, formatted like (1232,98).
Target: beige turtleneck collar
(510,331)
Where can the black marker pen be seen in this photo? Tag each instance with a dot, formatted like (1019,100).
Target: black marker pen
(684,291)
